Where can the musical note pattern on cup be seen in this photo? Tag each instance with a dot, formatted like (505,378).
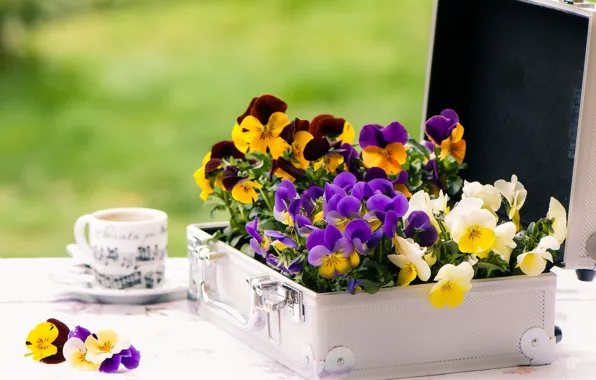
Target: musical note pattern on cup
(145,255)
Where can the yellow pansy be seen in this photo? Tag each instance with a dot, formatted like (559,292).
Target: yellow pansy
(202,181)
(348,134)
(472,227)
(301,138)
(453,283)
(244,191)
(331,162)
(265,138)
(410,260)
(279,172)
(533,263)
(40,340)
(557,213)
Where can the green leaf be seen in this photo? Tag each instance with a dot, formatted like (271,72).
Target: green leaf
(247,250)
(454,185)
(369,286)
(488,266)
(235,240)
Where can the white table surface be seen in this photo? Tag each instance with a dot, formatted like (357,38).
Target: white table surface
(176,344)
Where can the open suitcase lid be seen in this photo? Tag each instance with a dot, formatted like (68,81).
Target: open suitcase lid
(520,75)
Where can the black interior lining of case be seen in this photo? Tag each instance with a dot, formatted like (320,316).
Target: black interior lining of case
(513,71)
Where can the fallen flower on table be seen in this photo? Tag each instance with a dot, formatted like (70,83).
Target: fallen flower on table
(52,342)
(46,341)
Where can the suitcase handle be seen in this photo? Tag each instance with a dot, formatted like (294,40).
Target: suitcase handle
(255,321)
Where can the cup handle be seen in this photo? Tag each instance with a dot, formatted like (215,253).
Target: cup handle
(79,234)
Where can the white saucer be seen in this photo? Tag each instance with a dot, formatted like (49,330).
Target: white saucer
(78,284)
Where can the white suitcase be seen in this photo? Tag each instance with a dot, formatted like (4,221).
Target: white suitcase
(393,334)
(521,75)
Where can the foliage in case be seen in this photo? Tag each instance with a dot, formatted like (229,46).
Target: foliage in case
(304,201)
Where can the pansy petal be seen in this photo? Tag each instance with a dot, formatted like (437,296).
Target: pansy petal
(343,247)
(395,133)
(382,186)
(378,202)
(332,234)
(110,365)
(362,190)
(390,224)
(348,206)
(437,129)
(73,345)
(317,254)
(317,237)
(345,180)
(399,205)
(370,135)
(358,229)
(531,264)
(374,173)
(132,361)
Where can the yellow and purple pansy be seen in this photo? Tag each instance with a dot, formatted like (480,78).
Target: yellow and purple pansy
(384,147)
(446,132)
(295,266)
(388,210)
(330,251)
(259,244)
(359,233)
(419,228)
(287,203)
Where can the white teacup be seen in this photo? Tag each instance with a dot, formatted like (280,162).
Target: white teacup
(127,247)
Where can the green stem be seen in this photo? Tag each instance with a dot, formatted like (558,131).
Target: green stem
(379,252)
(28,354)
(266,199)
(444,233)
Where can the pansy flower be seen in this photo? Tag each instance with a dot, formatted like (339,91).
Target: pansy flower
(221,151)
(202,180)
(472,227)
(333,128)
(280,241)
(287,203)
(330,251)
(533,263)
(419,227)
(557,213)
(46,341)
(297,135)
(453,283)
(488,193)
(445,131)
(75,350)
(354,286)
(351,160)
(259,244)
(388,210)
(399,184)
(515,194)
(258,129)
(383,147)
(310,198)
(284,169)
(294,267)
(243,189)
(103,345)
(358,232)
(343,209)
(321,152)
(410,260)
(504,244)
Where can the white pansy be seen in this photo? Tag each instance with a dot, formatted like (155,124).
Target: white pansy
(491,197)
(410,259)
(504,243)
(514,192)
(440,204)
(557,212)
(533,263)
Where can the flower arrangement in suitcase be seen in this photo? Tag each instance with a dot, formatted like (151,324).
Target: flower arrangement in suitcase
(304,201)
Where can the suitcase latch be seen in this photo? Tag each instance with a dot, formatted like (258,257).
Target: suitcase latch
(273,296)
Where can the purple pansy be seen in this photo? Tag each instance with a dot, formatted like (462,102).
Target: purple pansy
(79,332)
(287,203)
(329,250)
(351,156)
(365,190)
(258,244)
(332,195)
(438,128)
(353,286)
(280,238)
(402,178)
(295,266)
(388,210)
(343,209)
(418,225)
(358,232)
(345,180)
(129,358)
(376,135)
(309,198)
(428,145)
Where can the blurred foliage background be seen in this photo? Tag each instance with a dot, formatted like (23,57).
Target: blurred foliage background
(114,103)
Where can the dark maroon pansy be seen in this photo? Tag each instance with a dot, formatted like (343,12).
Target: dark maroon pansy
(63,332)
(294,127)
(288,167)
(225,149)
(230,182)
(326,125)
(316,148)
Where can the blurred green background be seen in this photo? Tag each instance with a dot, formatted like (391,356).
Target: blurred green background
(113,103)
